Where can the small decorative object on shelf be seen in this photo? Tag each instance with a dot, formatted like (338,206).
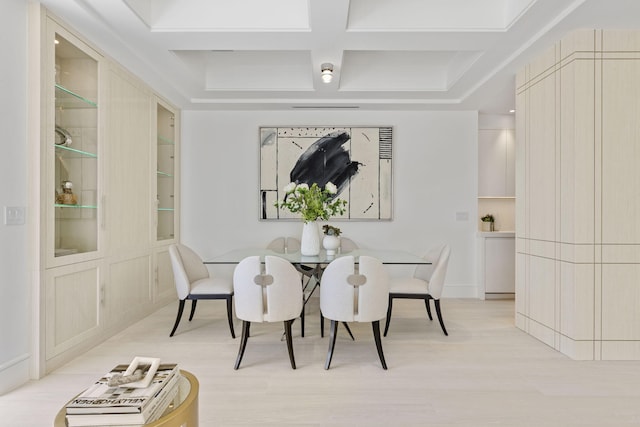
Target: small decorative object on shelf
(67,197)
(63,137)
(331,240)
(312,203)
(488,223)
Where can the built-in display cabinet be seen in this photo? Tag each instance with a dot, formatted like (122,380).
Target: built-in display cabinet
(165,173)
(108,200)
(72,147)
(163,232)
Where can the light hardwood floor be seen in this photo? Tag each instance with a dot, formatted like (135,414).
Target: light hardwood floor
(485,373)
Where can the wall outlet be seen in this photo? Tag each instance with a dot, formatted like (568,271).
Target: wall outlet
(13,215)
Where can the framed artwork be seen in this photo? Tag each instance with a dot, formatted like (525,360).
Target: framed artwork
(356,159)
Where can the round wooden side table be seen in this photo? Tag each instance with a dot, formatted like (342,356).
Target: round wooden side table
(183,414)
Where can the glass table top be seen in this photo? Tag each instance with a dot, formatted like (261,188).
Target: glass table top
(385,256)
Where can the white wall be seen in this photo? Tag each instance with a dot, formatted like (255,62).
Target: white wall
(434,177)
(15,300)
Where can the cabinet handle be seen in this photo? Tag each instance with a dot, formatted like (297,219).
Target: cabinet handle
(102,294)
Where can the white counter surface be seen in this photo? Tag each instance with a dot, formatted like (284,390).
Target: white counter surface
(496,234)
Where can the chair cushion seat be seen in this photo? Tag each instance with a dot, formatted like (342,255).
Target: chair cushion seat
(409,285)
(210,286)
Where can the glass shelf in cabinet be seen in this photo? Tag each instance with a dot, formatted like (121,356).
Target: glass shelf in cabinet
(165,209)
(164,174)
(68,99)
(165,141)
(60,205)
(73,152)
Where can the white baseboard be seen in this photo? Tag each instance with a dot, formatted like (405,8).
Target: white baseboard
(460,291)
(14,373)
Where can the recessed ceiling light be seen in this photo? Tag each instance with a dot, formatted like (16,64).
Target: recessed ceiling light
(512,111)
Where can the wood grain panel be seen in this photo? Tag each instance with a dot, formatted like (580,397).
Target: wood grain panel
(542,160)
(128,289)
(620,151)
(128,131)
(577,152)
(72,301)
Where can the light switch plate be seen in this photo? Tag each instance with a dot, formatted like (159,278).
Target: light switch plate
(14,215)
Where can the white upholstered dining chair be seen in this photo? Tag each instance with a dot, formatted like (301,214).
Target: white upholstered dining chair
(426,284)
(270,295)
(352,292)
(346,245)
(194,282)
(284,245)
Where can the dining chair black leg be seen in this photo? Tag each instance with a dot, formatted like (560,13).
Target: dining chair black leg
(386,324)
(230,316)
(287,331)
(332,342)
(376,336)
(243,343)
(439,313)
(193,308)
(346,325)
(321,325)
(426,303)
(302,322)
(178,317)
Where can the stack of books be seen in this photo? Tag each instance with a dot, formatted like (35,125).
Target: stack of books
(105,404)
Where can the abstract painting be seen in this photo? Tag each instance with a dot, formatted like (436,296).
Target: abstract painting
(356,159)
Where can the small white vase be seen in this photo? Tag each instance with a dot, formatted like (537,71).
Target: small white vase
(331,244)
(487,226)
(310,241)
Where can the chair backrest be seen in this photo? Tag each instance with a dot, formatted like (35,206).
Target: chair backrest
(277,245)
(435,273)
(349,297)
(347,245)
(187,268)
(424,271)
(270,296)
(284,244)
(293,244)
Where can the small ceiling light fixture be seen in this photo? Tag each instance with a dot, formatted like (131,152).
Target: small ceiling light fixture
(327,72)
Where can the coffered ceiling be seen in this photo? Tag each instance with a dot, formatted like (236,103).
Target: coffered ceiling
(386,54)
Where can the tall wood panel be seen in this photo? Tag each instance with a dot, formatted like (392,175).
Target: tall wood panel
(578,238)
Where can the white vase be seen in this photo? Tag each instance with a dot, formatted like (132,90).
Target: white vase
(310,241)
(487,226)
(331,244)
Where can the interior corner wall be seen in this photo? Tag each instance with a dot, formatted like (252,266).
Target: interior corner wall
(434,179)
(577,196)
(15,304)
